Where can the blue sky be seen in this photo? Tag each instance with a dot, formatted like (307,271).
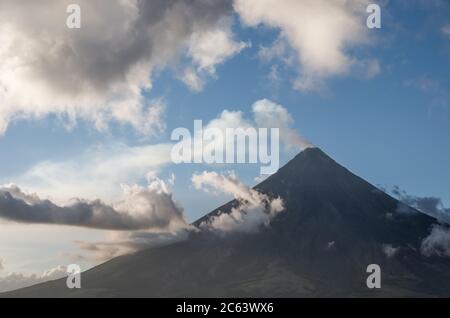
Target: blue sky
(391,127)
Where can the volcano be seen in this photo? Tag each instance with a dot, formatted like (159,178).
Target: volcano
(334,225)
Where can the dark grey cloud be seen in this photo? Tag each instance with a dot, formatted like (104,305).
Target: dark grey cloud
(432,206)
(140,208)
(114,37)
(96,72)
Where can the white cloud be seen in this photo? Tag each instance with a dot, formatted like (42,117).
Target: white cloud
(15,280)
(94,173)
(389,250)
(319,31)
(271,124)
(254,210)
(266,114)
(98,72)
(192,79)
(437,242)
(207,49)
(277,50)
(271,115)
(213,46)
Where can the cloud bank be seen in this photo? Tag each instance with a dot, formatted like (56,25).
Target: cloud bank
(140,208)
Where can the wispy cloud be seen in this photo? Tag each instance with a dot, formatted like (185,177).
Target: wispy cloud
(424,83)
(446,30)
(95,173)
(120,243)
(389,250)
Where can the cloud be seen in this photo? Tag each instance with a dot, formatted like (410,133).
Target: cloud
(367,68)
(2,267)
(432,206)
(98,170)
(121,243)
(192,79)
(424,83)
(446,30)
(271,115)
(279,49)
(99,73)
(213,46)
(142,217)
(437,242)
(95,172)
(389,250)
(254,210)
(230,135)
(320,32)
(139,208)
(266,114)
(207,49)
(433,87)
(14,280)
